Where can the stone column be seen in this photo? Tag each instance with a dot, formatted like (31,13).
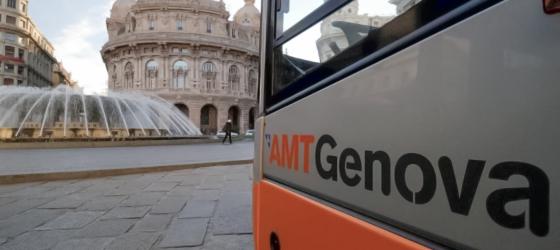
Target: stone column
(139,72)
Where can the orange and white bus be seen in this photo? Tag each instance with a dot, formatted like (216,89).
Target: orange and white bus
(407,124)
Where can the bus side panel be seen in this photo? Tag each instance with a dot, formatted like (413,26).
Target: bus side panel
(301,223)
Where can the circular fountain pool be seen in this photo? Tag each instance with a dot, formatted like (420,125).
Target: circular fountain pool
(60,113)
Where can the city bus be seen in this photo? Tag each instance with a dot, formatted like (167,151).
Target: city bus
(403,124)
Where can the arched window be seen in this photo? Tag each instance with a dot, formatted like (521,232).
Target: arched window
(233,78)
(180,73)
(129,76)
(114,75)
(208,25)
(151,74)
(252,82)
(133,24)
(209,119)
(209,74)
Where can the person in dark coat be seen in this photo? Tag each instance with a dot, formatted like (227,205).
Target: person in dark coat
(227,129)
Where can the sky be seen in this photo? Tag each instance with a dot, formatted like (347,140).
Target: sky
(77,30)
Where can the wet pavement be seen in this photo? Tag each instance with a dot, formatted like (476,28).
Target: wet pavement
(205,208)
(30,161)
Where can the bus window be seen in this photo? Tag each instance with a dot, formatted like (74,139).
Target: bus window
(342,29)
(290,12)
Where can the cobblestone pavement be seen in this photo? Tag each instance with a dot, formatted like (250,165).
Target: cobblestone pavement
(205,208)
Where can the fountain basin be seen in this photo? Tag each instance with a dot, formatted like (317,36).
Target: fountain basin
(62,113)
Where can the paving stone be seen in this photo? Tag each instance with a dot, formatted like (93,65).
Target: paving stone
(161,186)
(168,205)
(210,171)
(153,223)
(126,177)
(15,187)
(84,244)
(240,169)
(64,202)
(122,191)
(103,203)
(182,191)
(126,213)
(237,177)
(29,192)
(143,199)
(71,220)
(103,186)
(183,172)
(185,233)
(237,186)
(234,215)
(128,188)
(202,194)
(7,200)
(212,182)
(22,223)
(192,180)
(230,242)
(198,209)
(173,177)
(178,248)
(62,191)
(55,184)
(21,206)
(37,240)
(106,228)
(135,241)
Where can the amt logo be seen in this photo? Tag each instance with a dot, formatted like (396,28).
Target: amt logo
(284,151)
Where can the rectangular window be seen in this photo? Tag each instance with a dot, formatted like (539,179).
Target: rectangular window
(21,53)
(9,68)
(23,8)
(152,25)
(179,24)
(20,69)
(331,36)
(290,12)
(10,51)
(8,81)
(314,40)
(10,20)
(12,3)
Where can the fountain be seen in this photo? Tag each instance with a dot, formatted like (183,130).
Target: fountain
(63,113)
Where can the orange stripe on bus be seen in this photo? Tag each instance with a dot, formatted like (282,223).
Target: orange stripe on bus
(302,223)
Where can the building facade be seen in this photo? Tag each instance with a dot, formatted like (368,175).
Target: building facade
(404,5)
(61,76)
(26,56)
(333,38)
(189,53)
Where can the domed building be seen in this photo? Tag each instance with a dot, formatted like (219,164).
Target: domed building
(189,53)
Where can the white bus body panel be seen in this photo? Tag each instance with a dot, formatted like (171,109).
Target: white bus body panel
(487,89)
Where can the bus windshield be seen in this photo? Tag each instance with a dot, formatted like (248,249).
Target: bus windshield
(314,44)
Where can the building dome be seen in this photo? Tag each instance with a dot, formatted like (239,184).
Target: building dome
(248,15)
(121,8)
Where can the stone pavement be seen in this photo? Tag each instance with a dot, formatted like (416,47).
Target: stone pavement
(205,208)
(32,161)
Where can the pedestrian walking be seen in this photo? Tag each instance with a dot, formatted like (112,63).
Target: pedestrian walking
(227,129)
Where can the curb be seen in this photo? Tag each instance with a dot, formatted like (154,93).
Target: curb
(90,174)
